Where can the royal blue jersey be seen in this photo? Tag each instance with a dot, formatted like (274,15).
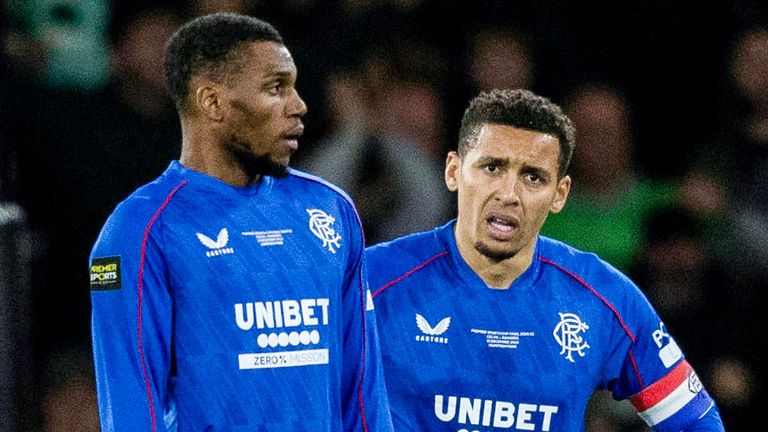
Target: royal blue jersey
(461,357)
(221,308)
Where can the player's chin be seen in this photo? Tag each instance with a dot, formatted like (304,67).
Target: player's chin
(268,165)
(278,169)
(282,158)
(495,252)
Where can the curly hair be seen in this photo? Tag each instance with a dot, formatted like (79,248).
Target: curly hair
(210,45)
(521,109)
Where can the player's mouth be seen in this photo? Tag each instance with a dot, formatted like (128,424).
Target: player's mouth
(501,226)
(291,136)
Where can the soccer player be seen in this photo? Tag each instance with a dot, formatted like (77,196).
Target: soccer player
(485,325)
(229,293)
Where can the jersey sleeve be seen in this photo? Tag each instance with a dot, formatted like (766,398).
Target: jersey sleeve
(365,405)
(131,326)
(656,377)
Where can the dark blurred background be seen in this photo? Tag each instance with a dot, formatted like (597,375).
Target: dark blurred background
(670,101)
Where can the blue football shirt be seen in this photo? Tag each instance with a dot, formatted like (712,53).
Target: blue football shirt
(461,357)
(224,308)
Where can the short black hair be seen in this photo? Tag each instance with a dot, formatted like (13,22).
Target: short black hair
(209,45)
(521,109)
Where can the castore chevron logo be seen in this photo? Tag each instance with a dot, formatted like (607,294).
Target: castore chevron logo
(432,334)
(218,246)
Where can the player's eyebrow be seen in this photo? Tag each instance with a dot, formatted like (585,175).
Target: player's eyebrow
(277,74)
(491,160)
(539,171)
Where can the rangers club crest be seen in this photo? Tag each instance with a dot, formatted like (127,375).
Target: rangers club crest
(567,333)
(321,225)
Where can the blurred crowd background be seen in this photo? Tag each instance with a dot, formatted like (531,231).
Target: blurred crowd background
(669,99)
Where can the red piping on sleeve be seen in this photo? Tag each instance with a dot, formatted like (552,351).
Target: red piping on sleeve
(363,300)
(362,289)
(609,305)
(365,341)
(408,273)
(141,289)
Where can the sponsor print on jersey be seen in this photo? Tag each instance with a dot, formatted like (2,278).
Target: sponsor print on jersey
(105,274)
(492,413)
(321,225)
(669,352)
(216,247)
(269,238)
(294,323)
(432,334)
(503,339)
(568,332)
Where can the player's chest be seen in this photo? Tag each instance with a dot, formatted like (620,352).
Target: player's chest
(258,238)
(466,361)
(511,332)
(257,253)
(263,276)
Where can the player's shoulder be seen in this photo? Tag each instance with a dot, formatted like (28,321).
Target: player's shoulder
(149,197)
(583,268)
(414,247)
(316,185)
(587,276)
(132,215)
(391,259)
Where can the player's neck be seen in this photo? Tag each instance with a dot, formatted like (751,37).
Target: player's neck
(501,274)
(201,152)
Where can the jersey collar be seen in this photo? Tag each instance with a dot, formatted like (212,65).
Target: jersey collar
(465,272)
(211,183)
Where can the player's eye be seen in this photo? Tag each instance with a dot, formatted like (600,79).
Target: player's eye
(275,88)
(534,178)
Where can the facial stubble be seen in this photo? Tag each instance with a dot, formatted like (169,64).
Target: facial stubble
(252,164)
(492,254)
(255,165)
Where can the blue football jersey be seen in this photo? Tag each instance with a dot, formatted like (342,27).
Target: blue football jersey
(461,357)
(224,308)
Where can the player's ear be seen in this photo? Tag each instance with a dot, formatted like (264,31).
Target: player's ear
(452,171)
(208,100)
(561,194)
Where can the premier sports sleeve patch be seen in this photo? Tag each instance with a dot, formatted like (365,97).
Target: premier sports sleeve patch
(105,274)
